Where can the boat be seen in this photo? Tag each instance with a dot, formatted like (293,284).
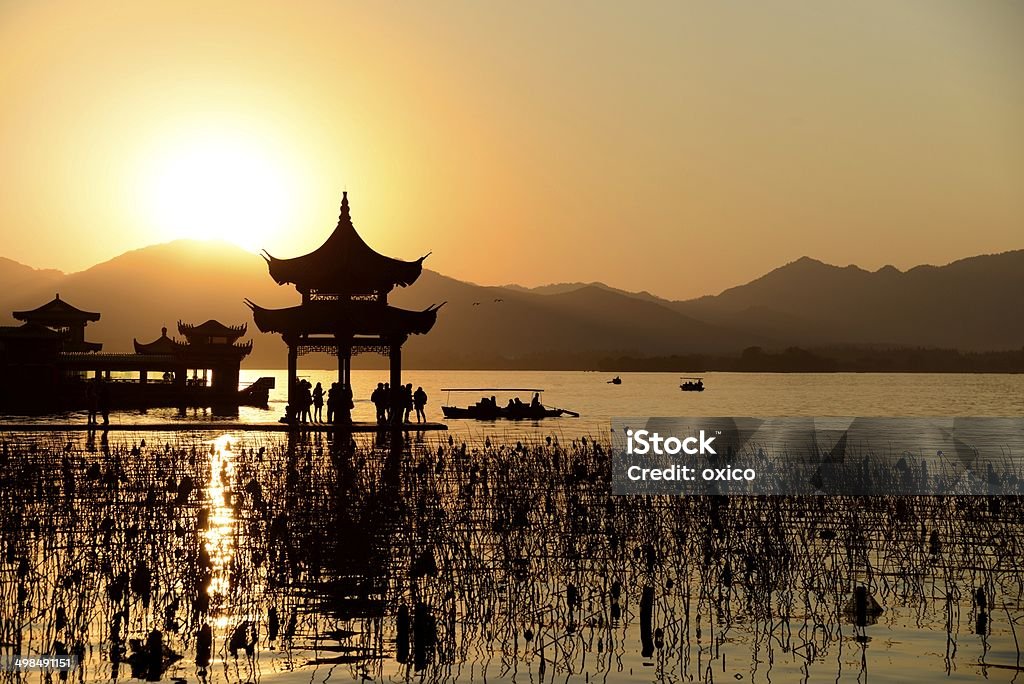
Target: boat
(691,384)
(615,381)
(488,407)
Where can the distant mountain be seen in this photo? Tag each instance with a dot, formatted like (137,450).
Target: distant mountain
(500,325)
(141,291)
(16,279)
(972,304)
(562,288)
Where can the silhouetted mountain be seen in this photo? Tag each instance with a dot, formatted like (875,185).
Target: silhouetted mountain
(562,288)
(141,291)
(16,278)
(550,329)
(970,304)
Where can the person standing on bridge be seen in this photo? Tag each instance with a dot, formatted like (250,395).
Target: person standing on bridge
(419,400)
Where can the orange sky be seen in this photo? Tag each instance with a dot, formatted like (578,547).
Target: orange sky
(678,147)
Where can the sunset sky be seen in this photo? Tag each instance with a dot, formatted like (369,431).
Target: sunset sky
(678,147)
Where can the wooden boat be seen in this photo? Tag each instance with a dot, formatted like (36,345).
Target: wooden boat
(691,384)
(615,381)
(488,407)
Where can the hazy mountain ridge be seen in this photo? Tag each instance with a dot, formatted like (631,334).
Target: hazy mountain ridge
(972,303)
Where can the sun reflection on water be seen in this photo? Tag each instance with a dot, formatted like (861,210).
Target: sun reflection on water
(218,537)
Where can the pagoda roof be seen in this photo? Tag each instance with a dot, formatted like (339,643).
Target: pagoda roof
(212,328)
(161,345)
(56,311)
(344,318)
(344,264)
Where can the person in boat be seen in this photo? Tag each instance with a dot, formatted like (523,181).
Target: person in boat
(419,400)
(511,405)
(318,403)
(535,403)
(700,384)
(377,398)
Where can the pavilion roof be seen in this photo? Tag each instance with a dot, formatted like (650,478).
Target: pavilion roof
(161,345)
(212,328)
(56,311)
(344,264)
(344,318)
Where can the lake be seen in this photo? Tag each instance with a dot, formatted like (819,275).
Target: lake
(658,394)
(498,554)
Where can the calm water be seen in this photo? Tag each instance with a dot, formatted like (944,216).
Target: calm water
(488,561)
(658,394)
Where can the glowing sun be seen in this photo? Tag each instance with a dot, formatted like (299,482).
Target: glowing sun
(218,187)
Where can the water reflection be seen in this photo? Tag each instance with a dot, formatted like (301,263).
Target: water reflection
(248,557)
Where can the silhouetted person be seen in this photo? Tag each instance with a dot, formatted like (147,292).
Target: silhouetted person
(91,401)
(386,397)
(377,398)
(103,400)
(305,400)
(345,405)
(535,404)
(419,400)
(406,402)
(332,402)
(318,403)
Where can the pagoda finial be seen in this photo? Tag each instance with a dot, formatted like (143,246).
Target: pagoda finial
(345,216)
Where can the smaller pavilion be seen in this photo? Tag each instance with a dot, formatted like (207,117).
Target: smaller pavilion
(67,320)
(210,346)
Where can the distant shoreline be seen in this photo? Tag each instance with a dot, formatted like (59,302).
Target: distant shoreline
(754,360)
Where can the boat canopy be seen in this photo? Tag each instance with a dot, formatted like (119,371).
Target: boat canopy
(490,389)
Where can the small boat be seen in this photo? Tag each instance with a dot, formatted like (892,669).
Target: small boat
(489,408)
(691,384)
(615,381)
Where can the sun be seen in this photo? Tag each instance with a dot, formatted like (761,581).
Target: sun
(218,187)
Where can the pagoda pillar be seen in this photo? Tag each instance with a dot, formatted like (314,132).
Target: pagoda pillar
(395,357)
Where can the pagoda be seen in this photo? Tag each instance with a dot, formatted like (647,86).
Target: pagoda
(67,320)
(344,311)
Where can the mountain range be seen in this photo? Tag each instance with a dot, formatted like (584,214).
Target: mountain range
(971,304)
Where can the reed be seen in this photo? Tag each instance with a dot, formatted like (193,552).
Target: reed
(230,557)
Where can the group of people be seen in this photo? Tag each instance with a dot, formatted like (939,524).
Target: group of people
(386,400)
(311,399)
